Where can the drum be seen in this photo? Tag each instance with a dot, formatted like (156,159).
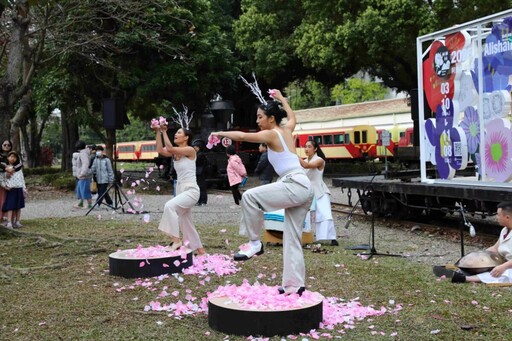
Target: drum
(479,261)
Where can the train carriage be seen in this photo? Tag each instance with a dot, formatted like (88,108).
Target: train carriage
(360,142)
(127,151)
(147,151)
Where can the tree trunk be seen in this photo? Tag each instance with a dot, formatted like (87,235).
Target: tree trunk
(69,138)
(12,84)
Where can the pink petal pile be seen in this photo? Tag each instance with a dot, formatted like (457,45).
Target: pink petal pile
(213,140)
(152,252)
(337,311)
(218,264)
(263,297)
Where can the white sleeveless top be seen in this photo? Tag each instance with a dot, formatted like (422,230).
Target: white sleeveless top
(316,175)
(185,169)
(284,161)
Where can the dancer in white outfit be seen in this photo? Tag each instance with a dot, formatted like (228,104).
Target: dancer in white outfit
(177,211)
(292,191)
(322,217)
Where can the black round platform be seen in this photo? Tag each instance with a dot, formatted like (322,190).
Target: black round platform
(228,317)
(123,263)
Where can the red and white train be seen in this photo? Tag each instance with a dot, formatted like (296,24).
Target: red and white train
(355,143)
(355,131)
(136,151)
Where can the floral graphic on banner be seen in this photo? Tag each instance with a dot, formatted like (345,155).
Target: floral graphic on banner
(471,126)
(498,150)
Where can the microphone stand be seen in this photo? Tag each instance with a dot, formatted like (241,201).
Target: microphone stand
(464,223)
(349,218)
(372,251)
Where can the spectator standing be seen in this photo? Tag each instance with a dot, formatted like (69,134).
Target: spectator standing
(14,185)
(201,168)
(102,169)
(74,164)
(236,172)
(84,175)
(264,168)
(6,170)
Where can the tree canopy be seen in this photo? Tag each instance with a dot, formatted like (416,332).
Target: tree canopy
(73,54)
(342,37)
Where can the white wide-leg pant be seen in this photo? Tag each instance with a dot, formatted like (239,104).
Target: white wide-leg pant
(293,193)
(324,224)
(177,214)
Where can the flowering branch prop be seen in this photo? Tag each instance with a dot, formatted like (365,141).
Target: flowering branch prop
(182,117)
(255,89)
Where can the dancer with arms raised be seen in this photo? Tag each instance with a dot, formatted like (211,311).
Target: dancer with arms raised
(292,191)
(177,211)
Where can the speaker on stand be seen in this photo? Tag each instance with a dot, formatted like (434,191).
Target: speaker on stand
(114,117)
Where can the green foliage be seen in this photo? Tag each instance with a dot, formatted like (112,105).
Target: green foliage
(137,130)
(356,90)
(263,33)
(40,171)
(63,181)
(308,94)
(334,39)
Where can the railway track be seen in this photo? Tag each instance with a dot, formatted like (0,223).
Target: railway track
(449,224)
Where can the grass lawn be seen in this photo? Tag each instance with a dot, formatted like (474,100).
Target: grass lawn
(55,286)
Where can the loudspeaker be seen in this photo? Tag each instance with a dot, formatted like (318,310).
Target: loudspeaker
(427,113)
(414,104)
(114,115)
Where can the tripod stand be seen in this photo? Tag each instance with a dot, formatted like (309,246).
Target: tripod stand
(372,251)
(371,248)
(118,192)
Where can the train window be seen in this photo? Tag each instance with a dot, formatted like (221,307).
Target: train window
(364,136)
(339,139)
(127,149)
(347,138)
(357,137)
(317,139)
(149,148)
(327,139)
(402,133)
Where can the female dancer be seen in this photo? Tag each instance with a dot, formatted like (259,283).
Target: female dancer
(292,191)
(177,211)
(315,165)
